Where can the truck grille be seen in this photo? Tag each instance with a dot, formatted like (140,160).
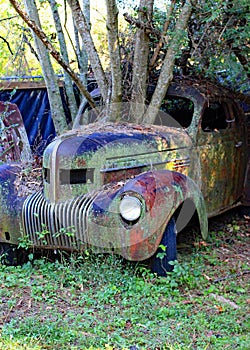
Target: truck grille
(62,225)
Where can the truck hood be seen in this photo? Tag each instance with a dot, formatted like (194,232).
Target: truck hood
(112,152)
(94,137)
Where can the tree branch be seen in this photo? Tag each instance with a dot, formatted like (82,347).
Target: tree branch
(235,275)
(8,18)
(6,42)
(32,50)
(147,27)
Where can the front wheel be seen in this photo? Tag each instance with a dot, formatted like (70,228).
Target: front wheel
(160,260)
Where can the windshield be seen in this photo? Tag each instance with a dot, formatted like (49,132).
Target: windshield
(175,111)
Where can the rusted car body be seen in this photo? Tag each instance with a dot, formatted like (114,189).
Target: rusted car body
(117,187)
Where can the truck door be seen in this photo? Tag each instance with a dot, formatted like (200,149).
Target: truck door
(222,150)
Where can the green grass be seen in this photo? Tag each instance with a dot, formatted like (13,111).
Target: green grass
(103,302)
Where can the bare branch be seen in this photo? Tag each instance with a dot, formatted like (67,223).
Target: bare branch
(147,27)
(32,50)
(7,18)
(6,42)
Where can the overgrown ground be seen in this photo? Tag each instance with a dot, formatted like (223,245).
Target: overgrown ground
(103,302)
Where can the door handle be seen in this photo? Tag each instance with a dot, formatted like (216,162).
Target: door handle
(239,144)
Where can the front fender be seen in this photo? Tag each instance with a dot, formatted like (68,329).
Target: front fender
(162,193)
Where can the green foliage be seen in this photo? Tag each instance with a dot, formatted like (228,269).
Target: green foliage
(100,301)
(24,242)
(220,32)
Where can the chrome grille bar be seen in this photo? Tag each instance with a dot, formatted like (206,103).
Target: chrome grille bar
(65,222)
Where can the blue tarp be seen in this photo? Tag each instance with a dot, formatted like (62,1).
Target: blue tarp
(35,110)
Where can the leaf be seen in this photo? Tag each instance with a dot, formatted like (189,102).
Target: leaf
(219,308)
(161,255)
(163,247)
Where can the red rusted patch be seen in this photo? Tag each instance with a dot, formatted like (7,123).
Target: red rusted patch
(81,163)
(141,247)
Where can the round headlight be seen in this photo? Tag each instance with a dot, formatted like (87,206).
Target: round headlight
(130,208)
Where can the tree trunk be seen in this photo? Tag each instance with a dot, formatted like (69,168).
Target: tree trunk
(55,101)
(84,52)
(115,60)
(140,63)
(80,50)
(63,48)
(82,59)
(166,74)
(162,39)
(84,31)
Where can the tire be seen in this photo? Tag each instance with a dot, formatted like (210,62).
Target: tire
(10,254)
(162,266)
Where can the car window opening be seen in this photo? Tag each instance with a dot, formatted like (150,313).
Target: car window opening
(214,118)
(175,112)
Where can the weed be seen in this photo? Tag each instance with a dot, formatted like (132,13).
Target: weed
(24,242)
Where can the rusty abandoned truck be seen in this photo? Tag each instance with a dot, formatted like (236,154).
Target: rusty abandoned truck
(129,189)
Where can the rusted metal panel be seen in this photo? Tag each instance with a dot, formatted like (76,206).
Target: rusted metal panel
(114,155)
(223,154)
(14,144)
(28,84)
